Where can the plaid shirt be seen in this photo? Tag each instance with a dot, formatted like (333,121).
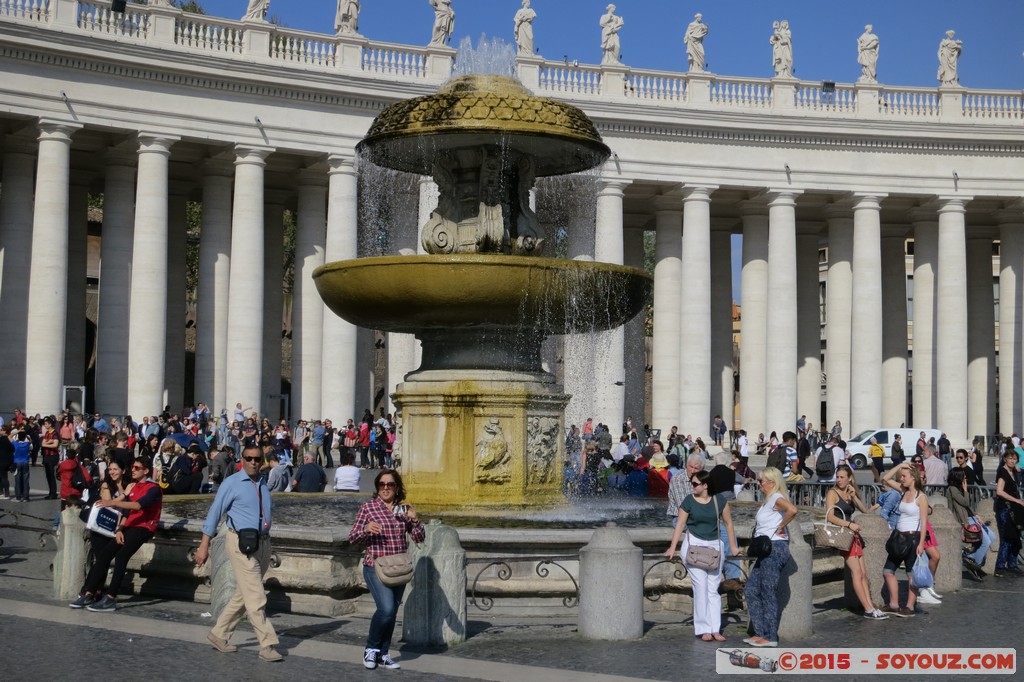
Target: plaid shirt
(391,539)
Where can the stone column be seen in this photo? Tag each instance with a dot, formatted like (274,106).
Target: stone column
(950,319)
(244,366)
(307,306)
(866,307)
(780,343)
(808,332)
(177,297)
(695,314)
(1011,311)
(147,343)
(634,337)
(580,378)
(926,260)
(894,330)
(214,280)
(838,316)
(981,341)
(668,251)
(47,281)
(754,318)
(16,200)
(273,301)
(609,365)
(78,260)
(339,365)
(415,205)
(722,378)
(115,313)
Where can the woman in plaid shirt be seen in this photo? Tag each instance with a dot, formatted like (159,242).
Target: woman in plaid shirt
(382,525)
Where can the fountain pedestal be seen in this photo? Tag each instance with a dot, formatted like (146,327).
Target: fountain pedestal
(482,439)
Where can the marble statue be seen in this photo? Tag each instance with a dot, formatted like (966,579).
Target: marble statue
(444,22)
(257,10)
(949,55)
(782,49)
(524,28)
(694,39)
(867,56)
(610,27)
(346,19)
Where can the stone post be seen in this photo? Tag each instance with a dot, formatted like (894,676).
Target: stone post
(440,60)
(610,607)
(64,13)
(528,70)
(875,531)
(350,52)
(613,80)
(69,564)
(222,576)
(256,40)
(796,592)
(784,95)
(867,100)
(163,22)
(948,532)
(435,608)
(951,103)
(698,88)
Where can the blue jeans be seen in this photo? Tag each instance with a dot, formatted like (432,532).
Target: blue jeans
(1008,549)
(21,481)
(987,538)
(387,599)
(732,569)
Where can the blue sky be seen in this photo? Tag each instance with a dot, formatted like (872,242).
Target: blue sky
(824,32)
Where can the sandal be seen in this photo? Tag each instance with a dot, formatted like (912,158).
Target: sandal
(706,637)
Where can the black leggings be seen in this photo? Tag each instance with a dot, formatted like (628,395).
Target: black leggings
(119,555)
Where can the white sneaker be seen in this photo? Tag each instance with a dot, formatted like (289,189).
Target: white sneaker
(926,598)
(931,591)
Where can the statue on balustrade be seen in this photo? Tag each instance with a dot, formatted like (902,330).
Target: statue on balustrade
(694,39)
(867,56)
(257,10)
(346,19)
(444,22)
(949,55)
(782,49)
(524,28)
(610,27)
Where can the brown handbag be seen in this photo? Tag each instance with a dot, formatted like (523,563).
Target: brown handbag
(394,570)
(830,535)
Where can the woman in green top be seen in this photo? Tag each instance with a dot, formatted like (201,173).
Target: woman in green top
(699,514)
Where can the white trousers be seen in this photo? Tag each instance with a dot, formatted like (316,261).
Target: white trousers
(707,603)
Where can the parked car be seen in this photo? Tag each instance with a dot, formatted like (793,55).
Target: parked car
(859,444)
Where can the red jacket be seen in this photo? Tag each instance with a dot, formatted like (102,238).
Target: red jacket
(66,470)
(148,516)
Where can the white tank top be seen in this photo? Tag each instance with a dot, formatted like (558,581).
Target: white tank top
(910,516)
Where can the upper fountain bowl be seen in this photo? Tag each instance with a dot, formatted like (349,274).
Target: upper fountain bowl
(410,294)
(483,109)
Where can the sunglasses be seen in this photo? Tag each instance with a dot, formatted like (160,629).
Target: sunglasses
(136,467)
(696,483)
(387,484)
(251,459)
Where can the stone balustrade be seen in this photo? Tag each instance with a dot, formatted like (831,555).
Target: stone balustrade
(263,42)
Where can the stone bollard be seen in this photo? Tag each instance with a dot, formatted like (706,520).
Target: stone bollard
(69,564)
(435,606)
(986,510)
(796,593)
(874,531)
(611,587)
(950,538)
(222,576)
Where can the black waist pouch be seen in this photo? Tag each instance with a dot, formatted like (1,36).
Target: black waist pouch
(248,541)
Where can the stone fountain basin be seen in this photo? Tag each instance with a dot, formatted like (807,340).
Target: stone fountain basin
(410,294)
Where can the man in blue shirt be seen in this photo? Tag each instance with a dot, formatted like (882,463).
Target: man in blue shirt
(100,424)
(245,499)
(22,457)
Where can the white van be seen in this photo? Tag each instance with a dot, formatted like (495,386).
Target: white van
(859,444)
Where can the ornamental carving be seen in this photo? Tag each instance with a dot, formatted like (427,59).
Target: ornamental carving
(492,461)
(541,448)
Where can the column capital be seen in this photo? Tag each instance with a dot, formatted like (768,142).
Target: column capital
(670,201)
(755,206)
(923,214)
(698,192)
(55,129)
(156,143)
(613,187)
(867,200)
(344,164)
(217,167)
(782,197)
(312,177)
(724,224)
(1011,215)
(952,204)
(252,154)
(116,156)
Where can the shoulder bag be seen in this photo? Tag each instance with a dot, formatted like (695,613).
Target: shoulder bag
(394,570)
(702,557)
(831,535)
(760,545)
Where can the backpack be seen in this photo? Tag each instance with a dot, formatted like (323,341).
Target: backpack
(825,467)
(777,458)
(78,481)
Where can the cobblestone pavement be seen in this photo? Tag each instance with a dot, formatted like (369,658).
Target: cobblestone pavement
(167,638)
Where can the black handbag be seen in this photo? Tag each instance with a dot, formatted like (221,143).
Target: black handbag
(899,544)
(760,546)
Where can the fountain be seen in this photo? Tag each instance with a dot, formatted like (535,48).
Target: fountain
(481,420)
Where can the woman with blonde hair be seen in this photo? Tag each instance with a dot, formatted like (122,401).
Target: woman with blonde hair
(775,513)
(913,513)
(840,502)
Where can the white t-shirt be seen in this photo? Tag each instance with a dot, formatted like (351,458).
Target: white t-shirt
(347,479)
(768,518)
(742,443)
